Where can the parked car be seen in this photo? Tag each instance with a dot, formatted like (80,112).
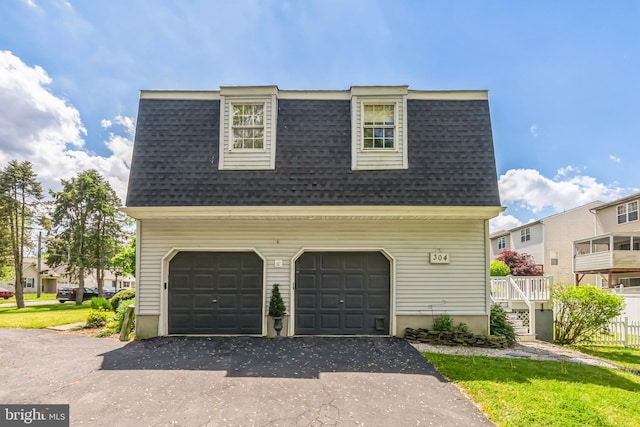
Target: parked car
(69,294)
(5,293)
(109,292)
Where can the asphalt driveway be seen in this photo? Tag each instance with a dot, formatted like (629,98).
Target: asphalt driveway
(230,381)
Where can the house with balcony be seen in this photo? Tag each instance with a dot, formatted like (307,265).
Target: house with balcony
(547,242)
(612,252)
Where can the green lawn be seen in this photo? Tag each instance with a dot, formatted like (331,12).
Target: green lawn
(625,356)
(41,316)
(517,392)
(30,297)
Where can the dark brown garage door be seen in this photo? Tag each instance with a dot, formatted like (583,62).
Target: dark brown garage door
(342,293)
(215,293)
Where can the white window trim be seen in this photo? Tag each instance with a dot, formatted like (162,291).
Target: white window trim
(396,132)
(525,235)
(627,211)
(503,240)
(264,126)
(268,96)
(375,95)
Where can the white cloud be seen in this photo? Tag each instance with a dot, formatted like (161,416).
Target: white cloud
(106,123)
(503,222)
(31,3)
(569,170)
(37,126)
(534,130)
(529,189)
(614,158)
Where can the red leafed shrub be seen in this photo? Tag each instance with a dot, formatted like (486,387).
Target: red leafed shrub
(519,264)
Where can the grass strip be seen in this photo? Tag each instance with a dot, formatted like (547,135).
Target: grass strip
(521,392)
(41,316)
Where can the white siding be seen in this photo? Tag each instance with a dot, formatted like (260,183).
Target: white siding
(420,287)
(248,159)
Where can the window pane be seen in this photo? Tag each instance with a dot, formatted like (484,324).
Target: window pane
(622,219)
(378,115)
(368,143)
(633,216)
(622,209)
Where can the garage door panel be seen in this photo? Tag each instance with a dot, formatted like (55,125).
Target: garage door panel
(361,280)
(354,262)
(377,302)
(227,301)
(378,282)
(354,282)
(198,278)
(251,281)
(306,321)
(251,302)
(354,301)
(329,281)
(354,321)
(330,321)
(306,301)
(329,301)
(330,262)
(306,281)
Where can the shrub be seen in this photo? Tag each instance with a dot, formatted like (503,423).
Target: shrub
(499,325)
(276,304)
(98,317)
(122,295)
(462,327)
(499,268)
(582,311)
(519,264)
(100,303)
(122,309)
(443,322)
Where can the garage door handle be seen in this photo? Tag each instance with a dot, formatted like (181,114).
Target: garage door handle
(214,300)
(341,301)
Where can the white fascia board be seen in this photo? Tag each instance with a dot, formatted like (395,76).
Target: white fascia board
(265,91)
(180,94)
(449,95)
(313,212)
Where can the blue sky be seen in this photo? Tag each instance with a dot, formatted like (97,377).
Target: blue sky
(563,77)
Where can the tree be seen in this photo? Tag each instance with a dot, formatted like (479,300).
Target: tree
(518,264)
(86,227)
(20,193)
(499,268)
(125,258)
(582,311)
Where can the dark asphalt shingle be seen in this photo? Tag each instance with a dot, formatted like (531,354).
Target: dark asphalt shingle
(175,158)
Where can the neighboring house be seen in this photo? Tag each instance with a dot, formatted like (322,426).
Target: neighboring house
(548,241)
(54,278)
(124,281)
(368,206)
(612,251)
(51,278)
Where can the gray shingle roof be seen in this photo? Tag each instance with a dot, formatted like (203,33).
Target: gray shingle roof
(175,158)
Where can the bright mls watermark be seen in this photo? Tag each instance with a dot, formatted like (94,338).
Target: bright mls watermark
(34,415)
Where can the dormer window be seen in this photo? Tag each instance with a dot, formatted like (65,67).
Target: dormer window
(379,126)
(248,126)
(248,117)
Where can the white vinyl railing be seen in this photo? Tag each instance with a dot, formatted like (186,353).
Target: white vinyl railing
(535,288)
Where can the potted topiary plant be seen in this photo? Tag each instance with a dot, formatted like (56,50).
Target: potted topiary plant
(276,308)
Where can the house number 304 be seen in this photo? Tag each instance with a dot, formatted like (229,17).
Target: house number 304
(439,258)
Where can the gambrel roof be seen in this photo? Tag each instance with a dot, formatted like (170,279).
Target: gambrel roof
(450,157)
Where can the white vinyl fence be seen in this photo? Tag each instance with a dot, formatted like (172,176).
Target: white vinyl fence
(622,331)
